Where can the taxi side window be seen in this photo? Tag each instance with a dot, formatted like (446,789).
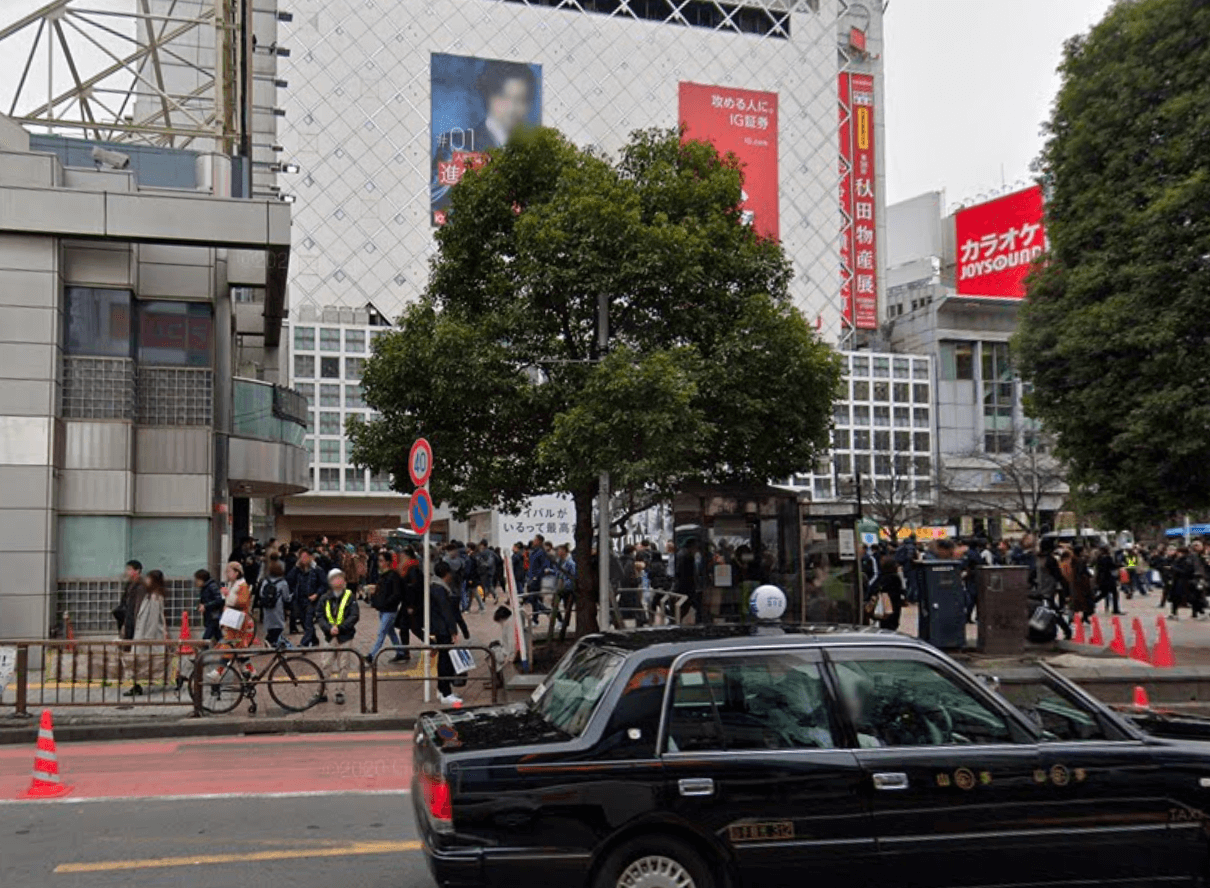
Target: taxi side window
(635,719)
(757,701)
(904,702)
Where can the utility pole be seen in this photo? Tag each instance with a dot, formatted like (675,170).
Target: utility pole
(859,613)
(603,545)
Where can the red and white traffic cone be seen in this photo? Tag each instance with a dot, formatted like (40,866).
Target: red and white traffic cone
(45,783)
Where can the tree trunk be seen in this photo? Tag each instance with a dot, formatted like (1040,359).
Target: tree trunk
(586,570)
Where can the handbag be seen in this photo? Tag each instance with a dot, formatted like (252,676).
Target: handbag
(232,619)
(1043,620)
(462,660)
(883,606)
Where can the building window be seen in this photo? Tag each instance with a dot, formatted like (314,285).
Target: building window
(307,390)
(355,341)
(882,416)
(882,368)
(860,365)
(329,339)
(861,439)
(329,423)
(924,466)
(861,391)
(957,361)
(355,479)
(329,451)
(99,322)
(309,443)
(861,463)
(304,366)
(823,488)
(844,464)
(840,414)
(920,393)
(380,481)
(921,441)
(310,423)
(903,441)
(882,464)
(903,417)
(902,368)
(329,368)
(903,391)
(920,370)
(861,415)
(840,439)
(882,391)
(329,395)
(354,396)
(329,479)
(177,334)
(920,417)
(354,367)
(304,339)
(998,398)
(882,441)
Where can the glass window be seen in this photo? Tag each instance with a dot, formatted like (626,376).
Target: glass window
(903,702)
(840,439)
(860,365)
(353,396)
(902,368)
(903,417)
(355,341)
(355,479)
(304,366)
(902,391)
(568,695)
(99,322)
(175,333)
(957,360)
(329,339)
(882,440)
(304,339)
(329,451)
(903,464)
(861,463)
(844,464)
(882,391)
(882,416)
(920,369)
(754,701)
(310,444)
(329,479)
(882,464)
(329,423)
(920,393)
(903,441)
(329,395)
(920,417)
(861,390)
(920,441)
(310,423)
(307,390)
(882,368)
(380,481)
(840,414)
(861,415)
(1061,717)
(823,488)
(861,439)
(354,368)
(924,466)
(329,368)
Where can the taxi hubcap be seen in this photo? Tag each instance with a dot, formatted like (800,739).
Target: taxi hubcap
(655,872)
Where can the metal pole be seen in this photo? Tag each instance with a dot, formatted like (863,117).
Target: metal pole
(428,614)
(857,590)
(604,549)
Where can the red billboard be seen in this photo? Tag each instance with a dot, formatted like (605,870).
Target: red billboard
(858,205)
(998,242)
(744,123)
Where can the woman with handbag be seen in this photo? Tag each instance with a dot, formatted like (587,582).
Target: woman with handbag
(884,602)
(238,600)
(149,625)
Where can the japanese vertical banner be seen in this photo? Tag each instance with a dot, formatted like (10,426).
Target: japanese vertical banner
(743,122)
(858,238)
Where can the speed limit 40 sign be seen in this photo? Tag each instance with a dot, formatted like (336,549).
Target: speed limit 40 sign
(420,462)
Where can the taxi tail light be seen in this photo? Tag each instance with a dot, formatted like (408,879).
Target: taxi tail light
(438,799)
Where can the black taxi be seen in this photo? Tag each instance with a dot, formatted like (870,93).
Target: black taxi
(703,757)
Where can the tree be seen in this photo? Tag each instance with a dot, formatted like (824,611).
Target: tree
(1115,336)
(892,501)
(710,374)
(1020,485)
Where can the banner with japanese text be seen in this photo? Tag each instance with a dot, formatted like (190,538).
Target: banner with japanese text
(552,515)
(476,106)
(997,243)
(858,206)
(744,123)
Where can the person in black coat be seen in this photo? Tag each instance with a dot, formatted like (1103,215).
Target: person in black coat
(308,583)
(388,595)
(888,581)
(445,623)
(210,599)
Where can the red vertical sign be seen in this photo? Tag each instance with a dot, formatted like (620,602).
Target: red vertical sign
(743,122)
(858,207)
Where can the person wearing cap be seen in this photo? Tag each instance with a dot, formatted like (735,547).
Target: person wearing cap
(336,617)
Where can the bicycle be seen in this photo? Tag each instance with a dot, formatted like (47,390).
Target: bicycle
(295,682)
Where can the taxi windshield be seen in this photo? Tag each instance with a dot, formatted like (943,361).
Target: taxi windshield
(570,693)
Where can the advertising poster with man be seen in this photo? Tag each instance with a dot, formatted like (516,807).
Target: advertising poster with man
(477,105)
(744,123)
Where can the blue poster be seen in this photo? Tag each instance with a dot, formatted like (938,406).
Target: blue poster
(477,104)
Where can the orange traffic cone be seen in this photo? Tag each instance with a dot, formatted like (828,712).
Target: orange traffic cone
(1161,656)
(185,636)
(1140,698)
(1097,640)
(1078,619)
(1118,645)
(1139,650)
(45,783)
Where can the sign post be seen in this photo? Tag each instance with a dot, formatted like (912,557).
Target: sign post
(420,510)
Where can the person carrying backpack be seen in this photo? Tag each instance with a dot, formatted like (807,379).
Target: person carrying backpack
(274,596)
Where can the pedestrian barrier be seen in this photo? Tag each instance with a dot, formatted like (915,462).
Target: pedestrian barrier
(45,783)
(295,678)
(484,670)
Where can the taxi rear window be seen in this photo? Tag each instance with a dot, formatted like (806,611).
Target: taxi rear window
(569,695)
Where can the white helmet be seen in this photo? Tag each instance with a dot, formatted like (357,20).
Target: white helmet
(767,603)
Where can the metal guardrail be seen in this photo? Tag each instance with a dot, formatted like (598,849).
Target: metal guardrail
(64,673)
(488,660)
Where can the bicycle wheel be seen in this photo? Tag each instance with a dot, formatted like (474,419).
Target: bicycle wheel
(222,686)
(295,683)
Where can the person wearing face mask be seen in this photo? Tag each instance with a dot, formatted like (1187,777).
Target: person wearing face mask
(336,618)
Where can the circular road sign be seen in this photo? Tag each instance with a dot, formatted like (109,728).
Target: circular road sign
(420,462)
(421,510)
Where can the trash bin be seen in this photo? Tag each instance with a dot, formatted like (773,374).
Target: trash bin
(942,620)
(1003,608)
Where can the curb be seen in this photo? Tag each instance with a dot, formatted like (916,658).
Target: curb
(204,727)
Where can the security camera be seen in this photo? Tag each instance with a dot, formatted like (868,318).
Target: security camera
(115,160)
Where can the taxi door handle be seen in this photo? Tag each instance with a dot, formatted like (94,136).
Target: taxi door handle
(890,782)
(696,786)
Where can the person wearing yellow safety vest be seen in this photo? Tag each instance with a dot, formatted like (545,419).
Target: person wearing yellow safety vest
(336,616)
(1134,572)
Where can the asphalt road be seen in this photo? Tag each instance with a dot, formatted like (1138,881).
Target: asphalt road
(329,809)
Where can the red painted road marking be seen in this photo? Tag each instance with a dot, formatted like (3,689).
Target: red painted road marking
(262,765)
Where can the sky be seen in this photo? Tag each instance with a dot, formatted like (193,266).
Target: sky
(968,84)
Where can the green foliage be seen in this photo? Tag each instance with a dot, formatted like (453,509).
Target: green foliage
(1115,334)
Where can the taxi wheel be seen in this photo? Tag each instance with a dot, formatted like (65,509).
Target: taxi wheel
(655,862)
